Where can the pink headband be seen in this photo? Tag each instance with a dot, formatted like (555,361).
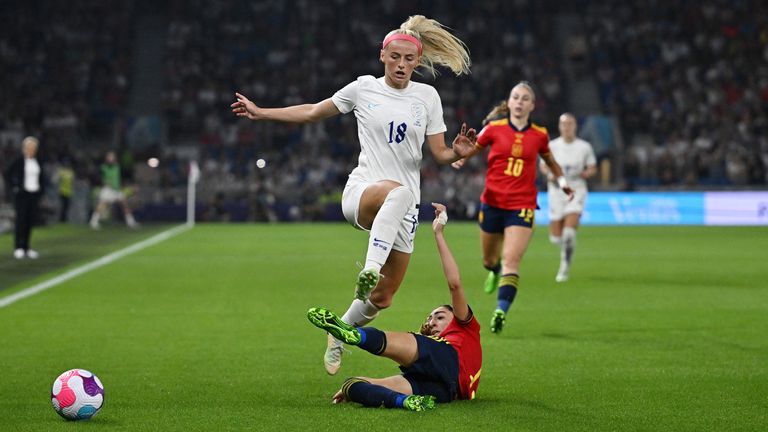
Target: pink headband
(401,36)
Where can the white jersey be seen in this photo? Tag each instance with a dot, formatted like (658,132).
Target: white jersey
(392,125)
(573,158)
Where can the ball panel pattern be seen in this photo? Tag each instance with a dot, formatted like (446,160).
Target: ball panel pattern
(77,394)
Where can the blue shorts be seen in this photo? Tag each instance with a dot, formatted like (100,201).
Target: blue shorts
(493,220)
(436,372)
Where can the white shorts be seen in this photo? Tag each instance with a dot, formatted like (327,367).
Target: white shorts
(110,195)
(350,205)
(559,206)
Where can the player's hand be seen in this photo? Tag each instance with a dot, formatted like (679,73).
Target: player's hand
(441,218)
(243,107)
(568,191)
(464,143)
(459,163)
(339,397)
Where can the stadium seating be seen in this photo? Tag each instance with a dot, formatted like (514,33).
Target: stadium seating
(688,117)
(689,84)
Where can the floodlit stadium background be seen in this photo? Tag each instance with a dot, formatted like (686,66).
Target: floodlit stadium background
(659,328)
(672,96)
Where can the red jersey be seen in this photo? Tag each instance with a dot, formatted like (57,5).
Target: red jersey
(510,181)
(464,337)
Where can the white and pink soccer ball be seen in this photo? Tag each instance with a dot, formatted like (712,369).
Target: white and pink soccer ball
(77,394)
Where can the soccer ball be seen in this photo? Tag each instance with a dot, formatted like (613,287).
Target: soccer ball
(77,394)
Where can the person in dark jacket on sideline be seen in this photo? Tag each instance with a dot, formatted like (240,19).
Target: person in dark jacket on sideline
(25,180)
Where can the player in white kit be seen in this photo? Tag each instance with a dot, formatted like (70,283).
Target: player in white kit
(578,162)
(394,117)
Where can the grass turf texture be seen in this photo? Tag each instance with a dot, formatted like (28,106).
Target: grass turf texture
(659,328)
(62,247)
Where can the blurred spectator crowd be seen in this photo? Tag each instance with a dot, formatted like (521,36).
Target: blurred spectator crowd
(688,82)
(217,48)
(64,69)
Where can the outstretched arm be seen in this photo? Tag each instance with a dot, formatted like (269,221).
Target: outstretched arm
(306,113)
(463,144)
(450,268)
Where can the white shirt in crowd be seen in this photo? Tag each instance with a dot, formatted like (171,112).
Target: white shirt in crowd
(31,175)
(573,158)
(392,125)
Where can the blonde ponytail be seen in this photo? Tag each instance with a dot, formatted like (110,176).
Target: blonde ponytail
(438,44)
(499,111)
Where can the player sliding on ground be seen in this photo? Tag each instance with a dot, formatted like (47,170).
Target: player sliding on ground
(440,364)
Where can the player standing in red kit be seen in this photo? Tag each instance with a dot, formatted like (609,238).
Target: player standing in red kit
(509,199)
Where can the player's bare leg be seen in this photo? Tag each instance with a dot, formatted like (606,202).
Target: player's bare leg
(362,312)
(556,232)
(491,246)
(101,207)
(516,240)
(392,392)
(382,207)
(570,223)
(129,220)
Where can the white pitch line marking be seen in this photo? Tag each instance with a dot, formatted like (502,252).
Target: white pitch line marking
(106,259)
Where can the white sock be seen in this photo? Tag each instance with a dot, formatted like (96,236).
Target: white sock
(360,313)
(129,220)
(555,240)
(385,226)
(568,246)
(94,218)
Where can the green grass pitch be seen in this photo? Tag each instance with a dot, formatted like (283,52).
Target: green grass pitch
(659,328)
